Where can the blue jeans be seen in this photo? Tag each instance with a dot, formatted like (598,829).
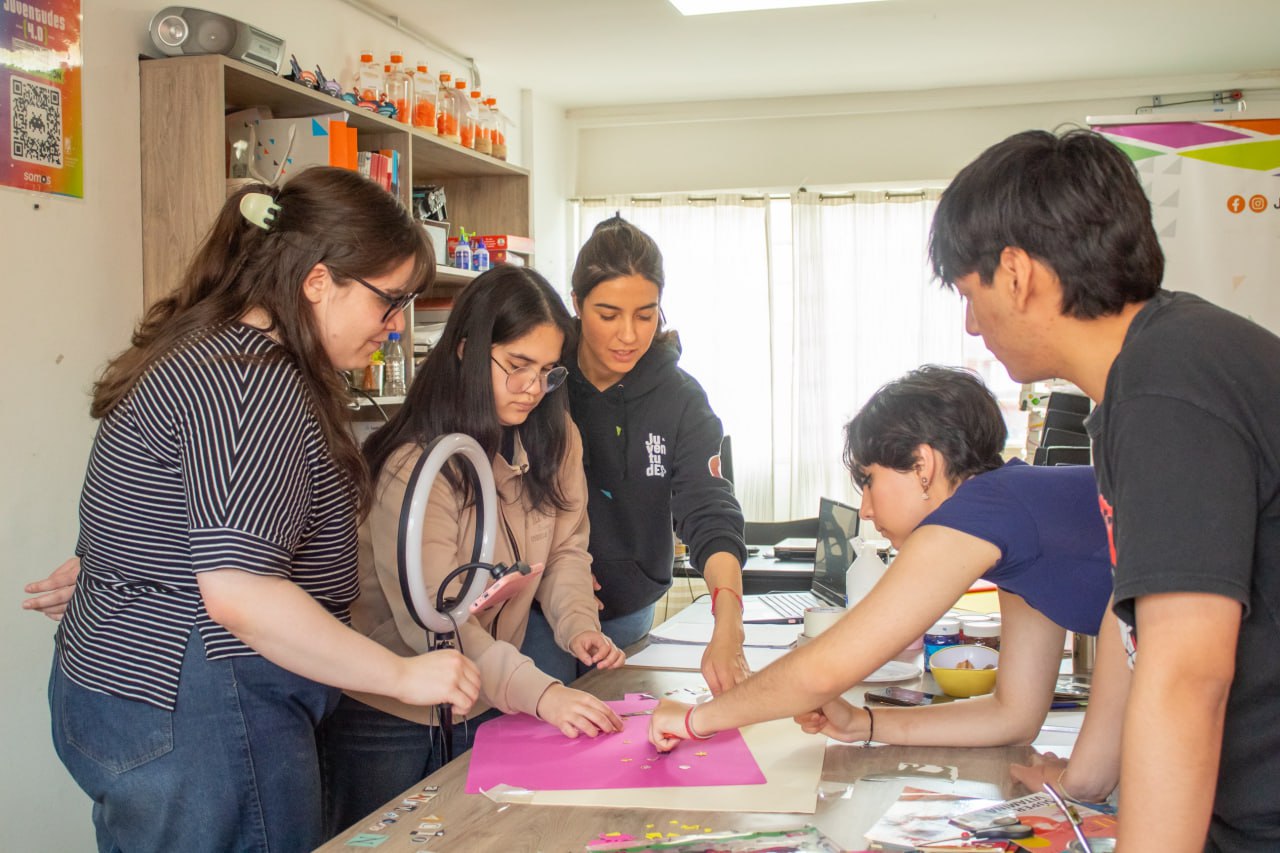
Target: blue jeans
(367,757)
(540,642)
(232,767)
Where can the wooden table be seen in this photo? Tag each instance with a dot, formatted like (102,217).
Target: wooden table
(475,824)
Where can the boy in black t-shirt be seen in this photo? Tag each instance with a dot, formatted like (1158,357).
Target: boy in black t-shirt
(1050,241)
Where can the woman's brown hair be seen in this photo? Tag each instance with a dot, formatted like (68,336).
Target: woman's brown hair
(327,216)
(617,249)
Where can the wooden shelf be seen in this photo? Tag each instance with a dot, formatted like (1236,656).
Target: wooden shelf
(358,402)
(184,102)
(246,86)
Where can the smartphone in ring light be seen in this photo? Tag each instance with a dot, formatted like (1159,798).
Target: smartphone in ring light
(903,697)
(505,587)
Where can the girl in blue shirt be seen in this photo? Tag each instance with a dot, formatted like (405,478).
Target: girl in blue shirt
(926,453)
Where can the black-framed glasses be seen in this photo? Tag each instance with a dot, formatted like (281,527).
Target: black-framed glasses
(520,379)
(395,304)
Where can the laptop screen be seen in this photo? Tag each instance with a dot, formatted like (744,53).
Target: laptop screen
(837,525)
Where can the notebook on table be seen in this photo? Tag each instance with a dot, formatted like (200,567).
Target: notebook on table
(833,554)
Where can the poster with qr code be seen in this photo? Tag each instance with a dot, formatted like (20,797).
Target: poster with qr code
(41,134)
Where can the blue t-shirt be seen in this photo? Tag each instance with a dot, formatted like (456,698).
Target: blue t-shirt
(1052,540)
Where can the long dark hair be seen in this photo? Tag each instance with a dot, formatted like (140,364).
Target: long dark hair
(616,249)
(947,408)
(455,394)
(327,215)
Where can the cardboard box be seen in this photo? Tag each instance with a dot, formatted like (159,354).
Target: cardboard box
(508,242)
(503,256)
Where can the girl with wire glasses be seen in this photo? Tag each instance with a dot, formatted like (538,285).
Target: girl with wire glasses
(495,376)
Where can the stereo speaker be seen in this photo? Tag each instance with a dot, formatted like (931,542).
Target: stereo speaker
(183,31)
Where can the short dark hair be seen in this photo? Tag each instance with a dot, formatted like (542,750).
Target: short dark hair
(1073,202)
(455,394)
(947,408)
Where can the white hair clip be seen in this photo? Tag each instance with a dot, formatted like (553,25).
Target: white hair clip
(259,209)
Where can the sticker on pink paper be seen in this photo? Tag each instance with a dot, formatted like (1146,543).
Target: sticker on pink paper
(525,752)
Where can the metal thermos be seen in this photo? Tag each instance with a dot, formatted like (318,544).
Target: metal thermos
(1083,649)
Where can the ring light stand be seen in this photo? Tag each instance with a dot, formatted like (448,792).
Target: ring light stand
(441,619)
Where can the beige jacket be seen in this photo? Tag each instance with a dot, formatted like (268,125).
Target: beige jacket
(509,681)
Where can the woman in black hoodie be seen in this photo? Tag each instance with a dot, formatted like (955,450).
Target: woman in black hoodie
(651,446)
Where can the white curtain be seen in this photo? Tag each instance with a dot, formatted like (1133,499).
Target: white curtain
(792,311)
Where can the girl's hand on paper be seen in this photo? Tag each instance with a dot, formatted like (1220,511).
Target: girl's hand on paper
(574,712)
(666,726)
(723,662)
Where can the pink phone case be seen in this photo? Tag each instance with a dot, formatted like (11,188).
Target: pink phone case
(504,587)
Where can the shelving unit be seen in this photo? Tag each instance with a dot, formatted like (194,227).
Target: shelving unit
(184,163)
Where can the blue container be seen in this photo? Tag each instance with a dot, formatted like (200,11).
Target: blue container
(945,632)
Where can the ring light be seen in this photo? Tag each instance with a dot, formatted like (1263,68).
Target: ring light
(412,515)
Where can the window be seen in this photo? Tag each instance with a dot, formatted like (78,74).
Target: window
(792,311)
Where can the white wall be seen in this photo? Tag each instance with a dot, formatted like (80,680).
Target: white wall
(73,288)
(909,138)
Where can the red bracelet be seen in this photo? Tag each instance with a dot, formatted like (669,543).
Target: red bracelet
(721,589)
(688,726)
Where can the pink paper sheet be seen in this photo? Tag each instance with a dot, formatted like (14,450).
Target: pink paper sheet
(520,750)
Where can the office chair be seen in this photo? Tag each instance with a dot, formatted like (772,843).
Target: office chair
(726,459)
(773,532)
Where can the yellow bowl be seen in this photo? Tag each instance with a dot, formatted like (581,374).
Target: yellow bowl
(963,683)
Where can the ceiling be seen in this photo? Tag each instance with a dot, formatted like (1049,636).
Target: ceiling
(599,53)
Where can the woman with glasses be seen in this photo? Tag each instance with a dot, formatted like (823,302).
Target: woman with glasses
(206,640)
(495,376)
(651,453)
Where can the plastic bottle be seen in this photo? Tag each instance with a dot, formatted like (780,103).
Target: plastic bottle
(368,81)
(447,109)
(479,119)
(865,571)
(498,135)
(462,252)
(488,123)
(479,255)
(394,386)
(399,88)
(945,632)
(466,121)
(424,100)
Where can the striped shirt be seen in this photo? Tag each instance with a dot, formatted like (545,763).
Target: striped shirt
(214,460)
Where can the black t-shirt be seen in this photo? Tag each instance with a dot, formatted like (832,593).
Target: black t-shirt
(1187,453)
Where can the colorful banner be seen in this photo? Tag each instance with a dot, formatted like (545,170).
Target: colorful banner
(1215,194)
(40,77)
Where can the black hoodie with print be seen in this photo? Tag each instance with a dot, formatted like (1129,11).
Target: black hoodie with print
(648,442)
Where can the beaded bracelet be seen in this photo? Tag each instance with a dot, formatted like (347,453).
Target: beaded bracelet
(688,725)
(871,731)
(721,589)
